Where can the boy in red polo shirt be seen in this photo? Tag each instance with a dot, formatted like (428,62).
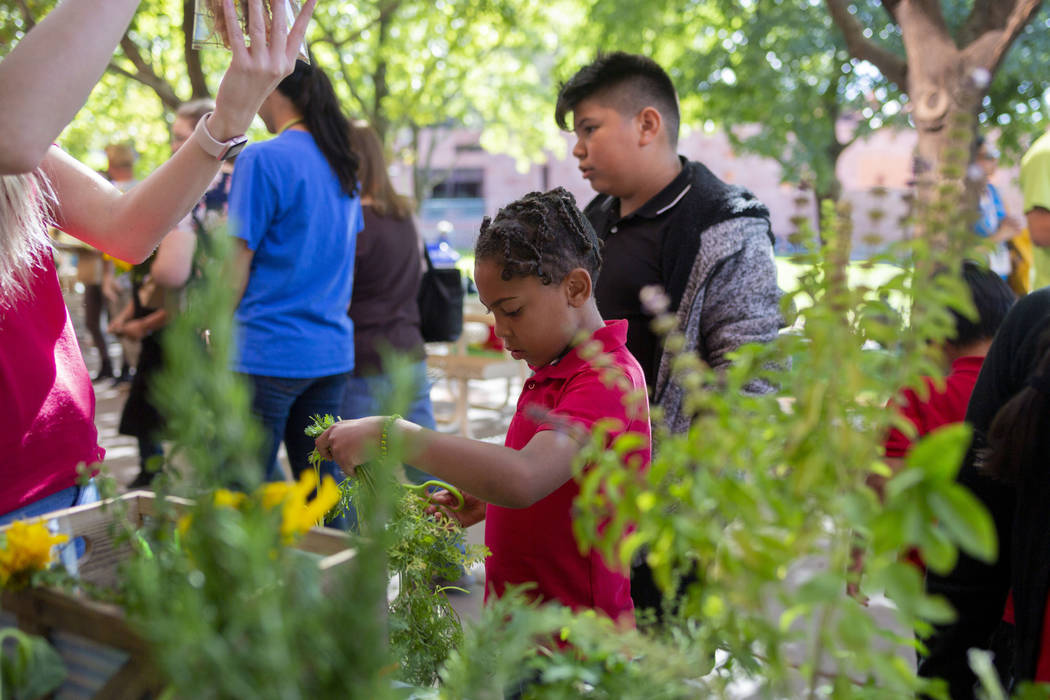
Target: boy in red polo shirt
(535,265)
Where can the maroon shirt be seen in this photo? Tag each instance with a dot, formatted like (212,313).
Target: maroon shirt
(536,544)
(943,406)
(383,307)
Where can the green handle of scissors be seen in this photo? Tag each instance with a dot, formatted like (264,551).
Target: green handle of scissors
(422,489)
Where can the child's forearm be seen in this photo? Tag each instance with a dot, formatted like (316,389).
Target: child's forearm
(494,473)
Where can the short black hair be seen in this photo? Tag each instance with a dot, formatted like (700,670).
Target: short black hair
(992,297)
(542,234)
(629,82)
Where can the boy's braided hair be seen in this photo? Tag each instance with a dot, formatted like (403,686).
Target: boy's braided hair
(541,234)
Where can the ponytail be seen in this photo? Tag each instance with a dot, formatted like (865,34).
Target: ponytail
(310,90)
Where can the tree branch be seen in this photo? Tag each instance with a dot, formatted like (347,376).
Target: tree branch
(144,74)
(990,47)
(329,39)
(198,83)
(978,20)
(892,66)
(27,14)
(384,13)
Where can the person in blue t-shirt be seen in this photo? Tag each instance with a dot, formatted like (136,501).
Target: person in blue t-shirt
(295,210)
(993,222)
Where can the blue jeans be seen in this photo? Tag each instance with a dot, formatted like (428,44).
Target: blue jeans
(284,407)
(66,498)
(372,396)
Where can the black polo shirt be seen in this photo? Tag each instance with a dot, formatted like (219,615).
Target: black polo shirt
(631,260)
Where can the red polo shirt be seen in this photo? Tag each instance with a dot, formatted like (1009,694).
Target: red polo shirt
(536,544)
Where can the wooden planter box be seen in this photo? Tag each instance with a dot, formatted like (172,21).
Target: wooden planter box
(105,656)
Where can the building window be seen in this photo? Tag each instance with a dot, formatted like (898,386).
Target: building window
(461,183)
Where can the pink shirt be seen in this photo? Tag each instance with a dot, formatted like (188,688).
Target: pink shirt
(536,544)
(47,408)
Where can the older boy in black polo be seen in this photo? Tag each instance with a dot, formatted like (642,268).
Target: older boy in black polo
(667,221)
(670,222)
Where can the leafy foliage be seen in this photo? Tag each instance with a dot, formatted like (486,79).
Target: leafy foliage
(416,69)
(424,549)
(262,620)
(29,668)
(762,500)
(739,64)
(549,652)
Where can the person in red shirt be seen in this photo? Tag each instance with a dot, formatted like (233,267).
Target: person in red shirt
(535,265)
(945,401)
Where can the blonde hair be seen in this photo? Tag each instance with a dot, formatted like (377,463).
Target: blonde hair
(25,214)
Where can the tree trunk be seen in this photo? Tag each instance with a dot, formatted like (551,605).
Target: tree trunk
(945,86)
(379,120)
(198,83)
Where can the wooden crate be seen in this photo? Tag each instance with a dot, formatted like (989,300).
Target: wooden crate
(105,656)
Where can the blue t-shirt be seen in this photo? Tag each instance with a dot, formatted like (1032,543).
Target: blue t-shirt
(287,205)
(991,213)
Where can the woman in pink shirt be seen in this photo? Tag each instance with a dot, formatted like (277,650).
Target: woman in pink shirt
(47,408)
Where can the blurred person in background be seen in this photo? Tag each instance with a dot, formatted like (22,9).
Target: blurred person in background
(116,280)
(154,297)
(993,223)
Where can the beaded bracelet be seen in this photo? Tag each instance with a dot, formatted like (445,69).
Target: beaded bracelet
(384,437)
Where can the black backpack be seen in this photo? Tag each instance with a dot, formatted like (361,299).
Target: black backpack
(440,302)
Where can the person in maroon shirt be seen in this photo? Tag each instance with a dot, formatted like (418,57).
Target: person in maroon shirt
(964,352)
(946,399)
(535,266)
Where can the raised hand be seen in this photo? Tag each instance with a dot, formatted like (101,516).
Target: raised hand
(257,65)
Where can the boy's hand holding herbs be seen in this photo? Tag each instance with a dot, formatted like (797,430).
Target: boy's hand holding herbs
(351,443)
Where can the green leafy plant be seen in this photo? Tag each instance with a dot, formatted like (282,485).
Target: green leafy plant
(29,666)
(763,499)
(229,610)
(423,550)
